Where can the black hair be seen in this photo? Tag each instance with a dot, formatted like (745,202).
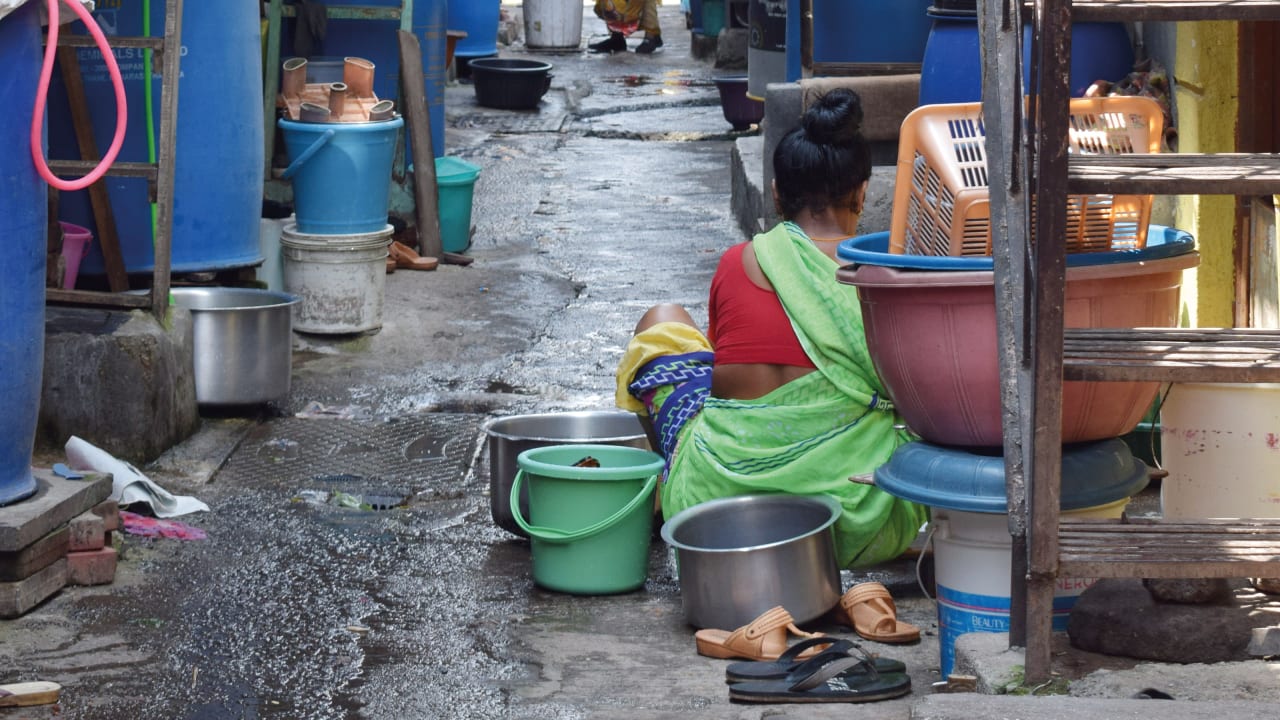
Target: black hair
(825,158)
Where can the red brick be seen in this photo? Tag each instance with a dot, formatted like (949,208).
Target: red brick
(91,567)
(110,512)
(88,532)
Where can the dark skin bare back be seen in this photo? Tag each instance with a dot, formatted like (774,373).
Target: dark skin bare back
(748,381)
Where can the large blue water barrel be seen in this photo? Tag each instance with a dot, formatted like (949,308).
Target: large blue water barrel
(479,19)
(218,168)
(870,31)
(22,250)
(375,40)
(952,67)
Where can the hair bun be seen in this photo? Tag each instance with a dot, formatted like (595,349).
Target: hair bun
(835,118)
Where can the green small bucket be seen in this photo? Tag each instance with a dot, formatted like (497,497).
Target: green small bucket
(593,523)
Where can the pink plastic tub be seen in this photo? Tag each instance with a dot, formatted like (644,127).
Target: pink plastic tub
(932,337)
(75,243)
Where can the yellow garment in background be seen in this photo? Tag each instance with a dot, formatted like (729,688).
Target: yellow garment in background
(625,16)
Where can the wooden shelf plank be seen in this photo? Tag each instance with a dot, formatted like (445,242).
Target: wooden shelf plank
(1174,174)
(1173,10)
(1244,355)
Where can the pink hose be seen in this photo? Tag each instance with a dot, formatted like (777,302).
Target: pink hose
(42,92)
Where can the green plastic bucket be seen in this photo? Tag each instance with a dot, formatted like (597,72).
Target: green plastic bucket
(455,185)
(593,524)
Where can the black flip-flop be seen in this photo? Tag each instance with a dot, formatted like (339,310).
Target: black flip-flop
(832,682)
(789,662)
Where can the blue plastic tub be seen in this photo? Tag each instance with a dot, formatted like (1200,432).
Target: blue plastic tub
(22,255)
(1093,474)
(341,174)
(218,169)
(455,189)
(873,249)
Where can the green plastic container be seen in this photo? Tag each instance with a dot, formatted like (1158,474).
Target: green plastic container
(593,524)
(455,187)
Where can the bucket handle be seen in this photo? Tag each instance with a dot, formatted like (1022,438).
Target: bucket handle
(306,154)
(560,537)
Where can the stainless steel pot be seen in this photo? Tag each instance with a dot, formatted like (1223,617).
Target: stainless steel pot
(510,436)
(743,555)
(243,343)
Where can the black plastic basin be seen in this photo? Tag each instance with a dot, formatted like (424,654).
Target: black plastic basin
(510,84)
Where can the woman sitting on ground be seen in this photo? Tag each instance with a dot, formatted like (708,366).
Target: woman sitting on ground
(780,396)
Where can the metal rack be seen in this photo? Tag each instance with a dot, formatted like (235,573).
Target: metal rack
(1026,139)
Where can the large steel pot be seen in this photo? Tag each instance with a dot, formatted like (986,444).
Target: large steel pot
(740,556)
(510,436)
(243,343)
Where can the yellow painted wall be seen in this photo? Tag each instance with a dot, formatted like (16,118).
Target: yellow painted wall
(1206,96)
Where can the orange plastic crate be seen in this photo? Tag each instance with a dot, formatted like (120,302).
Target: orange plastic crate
(941,201)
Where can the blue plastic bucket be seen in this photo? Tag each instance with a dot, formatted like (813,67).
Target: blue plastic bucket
(479,19)
(375,41)
(341,174)
(951,71)
(218,169)
(455,188)
(22,255)
(870,31)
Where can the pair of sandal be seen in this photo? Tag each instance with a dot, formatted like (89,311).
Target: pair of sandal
(817,669)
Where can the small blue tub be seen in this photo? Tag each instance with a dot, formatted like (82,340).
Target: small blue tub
(341,174)
(873,249)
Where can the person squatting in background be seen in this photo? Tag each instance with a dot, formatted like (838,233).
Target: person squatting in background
(624,17)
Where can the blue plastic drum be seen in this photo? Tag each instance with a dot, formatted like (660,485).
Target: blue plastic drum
(951,71)
(218,172)
(22,249)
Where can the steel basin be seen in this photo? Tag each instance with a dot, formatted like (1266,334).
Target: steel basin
(740,556)
(243,343)
(512,435)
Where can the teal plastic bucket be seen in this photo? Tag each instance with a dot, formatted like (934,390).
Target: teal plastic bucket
(593,524)
(341,174)
(22,255)
(455,188)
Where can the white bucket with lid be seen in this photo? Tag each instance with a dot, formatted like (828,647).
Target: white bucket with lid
(340,279)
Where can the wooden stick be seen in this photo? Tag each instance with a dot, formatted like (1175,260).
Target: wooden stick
(413,103)
(103,215)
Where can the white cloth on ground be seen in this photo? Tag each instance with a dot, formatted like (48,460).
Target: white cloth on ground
(128,484)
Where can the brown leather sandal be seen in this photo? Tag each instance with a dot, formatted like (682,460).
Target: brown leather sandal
(409,259)
(764,638)
(873,615)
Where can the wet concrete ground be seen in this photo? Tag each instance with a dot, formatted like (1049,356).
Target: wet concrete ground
(612,196)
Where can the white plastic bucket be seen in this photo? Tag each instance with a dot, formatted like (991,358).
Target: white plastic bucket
(1221,446)
(553,23)
(341,279)
(972,555)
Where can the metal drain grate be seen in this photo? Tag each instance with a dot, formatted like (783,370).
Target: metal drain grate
(513,122)
(423,451)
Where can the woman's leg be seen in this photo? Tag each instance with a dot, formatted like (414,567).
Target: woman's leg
(666,312)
